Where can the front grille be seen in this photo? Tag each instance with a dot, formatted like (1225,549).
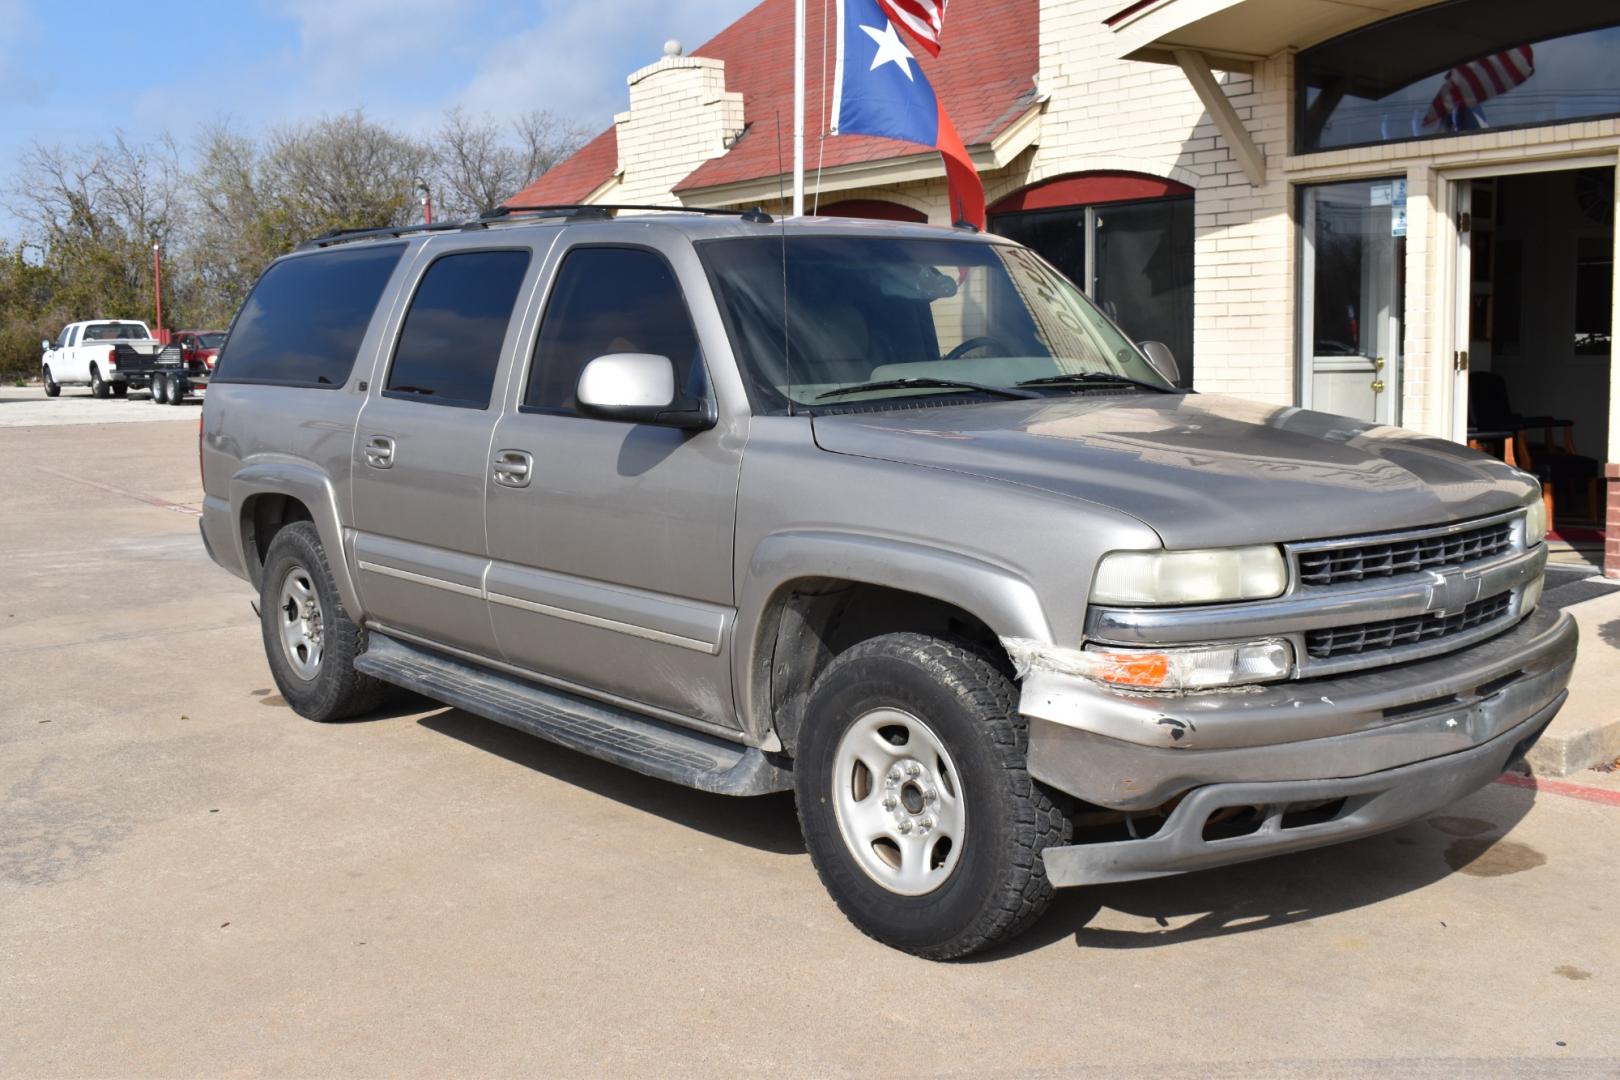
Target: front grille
(1411,630)
(1406,555)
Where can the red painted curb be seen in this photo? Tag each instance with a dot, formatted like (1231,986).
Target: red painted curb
(1561,787)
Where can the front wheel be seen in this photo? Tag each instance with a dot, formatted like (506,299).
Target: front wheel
(917,807)
(98,385)
(309,639)
(52,387)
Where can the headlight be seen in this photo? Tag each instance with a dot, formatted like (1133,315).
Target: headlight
(1535,523)
(1199,667)
(1190,577)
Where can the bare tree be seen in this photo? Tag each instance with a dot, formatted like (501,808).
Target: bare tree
(478,166)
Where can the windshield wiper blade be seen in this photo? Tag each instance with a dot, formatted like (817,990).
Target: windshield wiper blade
(1099,377)
(928,383)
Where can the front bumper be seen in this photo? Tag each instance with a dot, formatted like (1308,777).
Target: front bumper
(1371,804)
(1394,743)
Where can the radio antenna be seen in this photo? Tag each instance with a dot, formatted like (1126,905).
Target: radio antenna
(781,194)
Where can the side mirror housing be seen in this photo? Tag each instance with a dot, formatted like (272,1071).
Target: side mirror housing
(638,388)
(1163,360)
(44,346)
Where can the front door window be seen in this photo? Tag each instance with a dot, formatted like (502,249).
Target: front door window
(1352,301)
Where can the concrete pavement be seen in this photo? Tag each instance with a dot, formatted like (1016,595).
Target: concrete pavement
(196,882)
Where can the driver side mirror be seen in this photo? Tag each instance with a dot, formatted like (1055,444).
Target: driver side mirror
(1163,360)
(638,388)
(44,346)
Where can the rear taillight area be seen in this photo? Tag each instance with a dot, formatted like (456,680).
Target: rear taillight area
(112,358)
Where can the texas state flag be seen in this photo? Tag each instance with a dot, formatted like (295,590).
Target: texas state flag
(880,89)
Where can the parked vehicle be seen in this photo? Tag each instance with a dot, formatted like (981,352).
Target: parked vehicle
(884,514)
(183,368)
(95,354)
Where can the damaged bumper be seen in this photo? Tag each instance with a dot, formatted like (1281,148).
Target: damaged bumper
(1393,743)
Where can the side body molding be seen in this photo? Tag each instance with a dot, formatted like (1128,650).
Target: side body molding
(310,486)
(996,595)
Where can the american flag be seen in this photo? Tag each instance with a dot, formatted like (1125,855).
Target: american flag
(922,19)
(1477,81)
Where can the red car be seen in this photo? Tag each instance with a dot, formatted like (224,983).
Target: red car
(201,345)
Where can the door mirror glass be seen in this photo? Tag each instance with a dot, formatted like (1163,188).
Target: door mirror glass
(44,345)
(639,388)
(1163,360)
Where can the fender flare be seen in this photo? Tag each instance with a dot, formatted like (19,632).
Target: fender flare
(996,595)
(312,487)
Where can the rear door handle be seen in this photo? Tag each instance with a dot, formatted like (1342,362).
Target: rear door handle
(513,468)
(380,452)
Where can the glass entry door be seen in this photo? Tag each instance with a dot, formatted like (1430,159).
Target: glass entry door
(1353,287)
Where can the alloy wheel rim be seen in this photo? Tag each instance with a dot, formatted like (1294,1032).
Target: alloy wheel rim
(301,623)
(897,798)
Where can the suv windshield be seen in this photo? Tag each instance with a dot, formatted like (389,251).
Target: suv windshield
(115,331)
(960,318)
(210,341)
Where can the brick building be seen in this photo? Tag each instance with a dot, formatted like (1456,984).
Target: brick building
(1401,210)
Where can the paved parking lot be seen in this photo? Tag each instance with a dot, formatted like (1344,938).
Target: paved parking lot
(195,882)
(27,406)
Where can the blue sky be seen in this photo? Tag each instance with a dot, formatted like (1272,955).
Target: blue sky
(76,71)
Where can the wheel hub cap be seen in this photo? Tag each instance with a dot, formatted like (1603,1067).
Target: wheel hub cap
(301,623)
(898,802)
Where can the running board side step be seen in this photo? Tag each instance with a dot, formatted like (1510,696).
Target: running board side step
(651,747)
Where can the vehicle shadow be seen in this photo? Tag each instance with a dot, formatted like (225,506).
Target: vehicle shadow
(767,822)
(1289,889)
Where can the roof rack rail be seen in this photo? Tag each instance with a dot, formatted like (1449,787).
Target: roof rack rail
(605,210)
(344,236)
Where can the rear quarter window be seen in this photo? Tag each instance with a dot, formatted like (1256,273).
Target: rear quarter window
(304,321)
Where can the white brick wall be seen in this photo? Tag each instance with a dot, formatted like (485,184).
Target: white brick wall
(680,116)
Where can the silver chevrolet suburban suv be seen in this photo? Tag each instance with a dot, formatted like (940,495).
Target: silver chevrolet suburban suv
(889,516)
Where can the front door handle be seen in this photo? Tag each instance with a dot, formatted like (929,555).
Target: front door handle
(380,452)
(512,468)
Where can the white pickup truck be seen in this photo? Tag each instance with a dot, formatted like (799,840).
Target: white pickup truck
(94,353)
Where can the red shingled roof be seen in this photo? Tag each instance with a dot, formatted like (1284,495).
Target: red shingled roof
(984,76)
(575,177)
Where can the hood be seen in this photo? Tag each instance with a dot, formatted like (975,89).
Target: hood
(1202,470)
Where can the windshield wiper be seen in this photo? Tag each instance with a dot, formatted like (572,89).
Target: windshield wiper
(1099,377)
(928,383)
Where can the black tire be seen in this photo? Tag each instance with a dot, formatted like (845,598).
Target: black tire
(52,387)
(176,389)
(998,885)
(158,391)
(98,385)
(119,389)
(336,691)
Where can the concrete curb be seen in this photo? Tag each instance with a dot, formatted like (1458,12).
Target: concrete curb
(1587,731)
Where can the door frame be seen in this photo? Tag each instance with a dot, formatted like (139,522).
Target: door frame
(1456,285)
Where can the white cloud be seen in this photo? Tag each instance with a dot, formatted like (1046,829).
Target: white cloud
(574,61)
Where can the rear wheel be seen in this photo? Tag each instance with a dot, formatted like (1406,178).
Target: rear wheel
(309,639)
(176,389)
(119,389)
(98,385)
(916,803)
(52,387)
(158,391)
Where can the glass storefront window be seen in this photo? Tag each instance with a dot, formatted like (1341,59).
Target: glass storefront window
(1462,66)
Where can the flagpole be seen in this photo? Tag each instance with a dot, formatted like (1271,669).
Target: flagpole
(798,108)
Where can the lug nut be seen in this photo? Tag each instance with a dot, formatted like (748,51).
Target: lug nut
(905,828)
(927,823)
(890,802)
(914,770)
(930,796)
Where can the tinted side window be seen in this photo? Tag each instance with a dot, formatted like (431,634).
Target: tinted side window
(303,323)
(610,300)
(451,342)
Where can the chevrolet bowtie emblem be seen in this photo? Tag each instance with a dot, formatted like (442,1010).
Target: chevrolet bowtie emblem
(1451,592)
